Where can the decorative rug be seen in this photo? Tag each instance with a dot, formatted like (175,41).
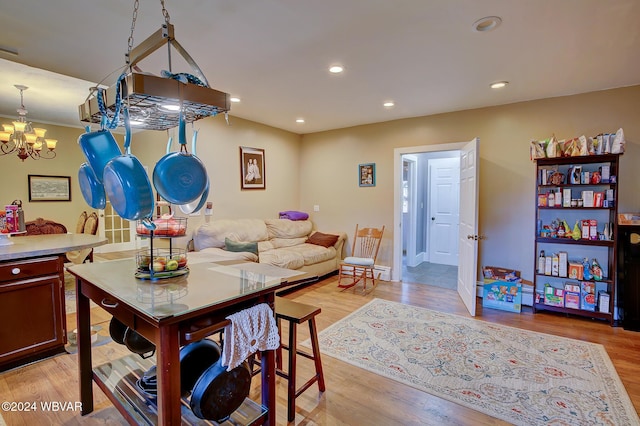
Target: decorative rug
(523,377)
(70,293)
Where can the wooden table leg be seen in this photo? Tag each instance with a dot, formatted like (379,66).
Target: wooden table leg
(168,370)
(85,368)
(268,365)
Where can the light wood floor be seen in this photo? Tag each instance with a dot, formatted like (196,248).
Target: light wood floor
(353,396)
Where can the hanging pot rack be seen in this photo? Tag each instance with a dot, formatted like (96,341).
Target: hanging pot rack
(145,93)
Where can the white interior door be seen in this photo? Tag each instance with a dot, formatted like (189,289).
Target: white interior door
(120,233)
(444,193)
(468,232)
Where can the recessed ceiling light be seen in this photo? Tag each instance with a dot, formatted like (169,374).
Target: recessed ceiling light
(234,99)
(488,23)
(388,104)
(336,69)
(299,120)
(499,84)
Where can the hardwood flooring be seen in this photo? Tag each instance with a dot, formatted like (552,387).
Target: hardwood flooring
(353,396)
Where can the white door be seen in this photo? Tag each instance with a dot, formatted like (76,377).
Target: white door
(444,190)
(119,232)
(468,233)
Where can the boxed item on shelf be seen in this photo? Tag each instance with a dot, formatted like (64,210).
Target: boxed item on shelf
(576,270)
(571,300)
(603,302)
(553,296)
(628,218)
(588,296)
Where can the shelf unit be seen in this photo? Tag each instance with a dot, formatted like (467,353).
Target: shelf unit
(603,248)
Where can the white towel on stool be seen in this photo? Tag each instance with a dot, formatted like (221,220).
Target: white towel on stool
(254,329)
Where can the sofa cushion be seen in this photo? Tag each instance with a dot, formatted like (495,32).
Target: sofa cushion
(285,228)
(324,240)
(313,253)
(287,242)
(217,253)
(283,258)
(213,234)
(230,245)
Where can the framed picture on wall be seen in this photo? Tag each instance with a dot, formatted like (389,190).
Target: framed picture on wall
(367,174)
(252,168)
(49,188)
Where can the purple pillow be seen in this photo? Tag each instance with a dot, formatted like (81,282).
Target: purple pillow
(293,215)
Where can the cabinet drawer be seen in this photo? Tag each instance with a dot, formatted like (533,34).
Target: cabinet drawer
(22,269)
(111,305)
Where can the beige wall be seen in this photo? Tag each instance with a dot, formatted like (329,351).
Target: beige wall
(218,147)
(329,162)
(14,181)
(321,169)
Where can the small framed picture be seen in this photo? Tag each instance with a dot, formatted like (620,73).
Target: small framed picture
(252,168)
(49,188)
(367,174)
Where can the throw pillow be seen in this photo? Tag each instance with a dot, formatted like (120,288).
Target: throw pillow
(324,240)
(239,247)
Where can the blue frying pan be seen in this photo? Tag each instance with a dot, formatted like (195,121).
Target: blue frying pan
(92,190)
(126,182)
(180,177)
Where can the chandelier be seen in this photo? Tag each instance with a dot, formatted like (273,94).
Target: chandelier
(23,139)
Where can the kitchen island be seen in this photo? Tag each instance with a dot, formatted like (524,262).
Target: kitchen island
(32,308)
(170,313)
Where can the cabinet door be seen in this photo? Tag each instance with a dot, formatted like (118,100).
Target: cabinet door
(31,317)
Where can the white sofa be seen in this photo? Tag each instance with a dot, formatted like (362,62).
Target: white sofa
(280,242)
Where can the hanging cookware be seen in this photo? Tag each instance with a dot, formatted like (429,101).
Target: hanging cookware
(126,182)
(117,330)
(180,177)
(219,392)
(196,205)
(138,344)
(92,189)
(195,358)
(99,148)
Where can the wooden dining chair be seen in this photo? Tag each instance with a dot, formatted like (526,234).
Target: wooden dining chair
(90,227)
(360,265)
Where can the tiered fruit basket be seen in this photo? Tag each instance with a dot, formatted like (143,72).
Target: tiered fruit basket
(159,263)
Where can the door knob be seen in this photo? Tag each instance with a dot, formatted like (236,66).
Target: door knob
(472,237)
(433,218)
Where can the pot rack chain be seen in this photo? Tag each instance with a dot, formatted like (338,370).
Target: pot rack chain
(134,18)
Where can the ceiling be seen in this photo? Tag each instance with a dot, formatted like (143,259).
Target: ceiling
(275,54)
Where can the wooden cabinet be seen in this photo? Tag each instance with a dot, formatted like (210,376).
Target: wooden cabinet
(587,188)
(32,314)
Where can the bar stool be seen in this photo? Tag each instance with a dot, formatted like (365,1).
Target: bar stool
(297,313)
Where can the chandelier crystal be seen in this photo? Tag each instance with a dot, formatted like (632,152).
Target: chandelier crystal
(21,138)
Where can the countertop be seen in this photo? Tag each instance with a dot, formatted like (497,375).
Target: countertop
(43,245)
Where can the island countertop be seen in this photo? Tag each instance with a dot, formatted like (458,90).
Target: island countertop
(43,245)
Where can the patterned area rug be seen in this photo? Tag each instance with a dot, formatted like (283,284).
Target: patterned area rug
(523,377)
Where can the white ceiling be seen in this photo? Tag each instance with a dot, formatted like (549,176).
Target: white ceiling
(274,54)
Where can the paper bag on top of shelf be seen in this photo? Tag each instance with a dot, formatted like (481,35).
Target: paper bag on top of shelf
(553,149)
(617,147)
(536,149)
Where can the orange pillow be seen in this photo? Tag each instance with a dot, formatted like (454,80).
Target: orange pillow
(324,240)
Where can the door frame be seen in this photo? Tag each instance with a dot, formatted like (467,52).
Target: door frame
(396,271)
(412,216)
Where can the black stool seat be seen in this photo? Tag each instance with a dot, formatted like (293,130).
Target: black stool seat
(297,313)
